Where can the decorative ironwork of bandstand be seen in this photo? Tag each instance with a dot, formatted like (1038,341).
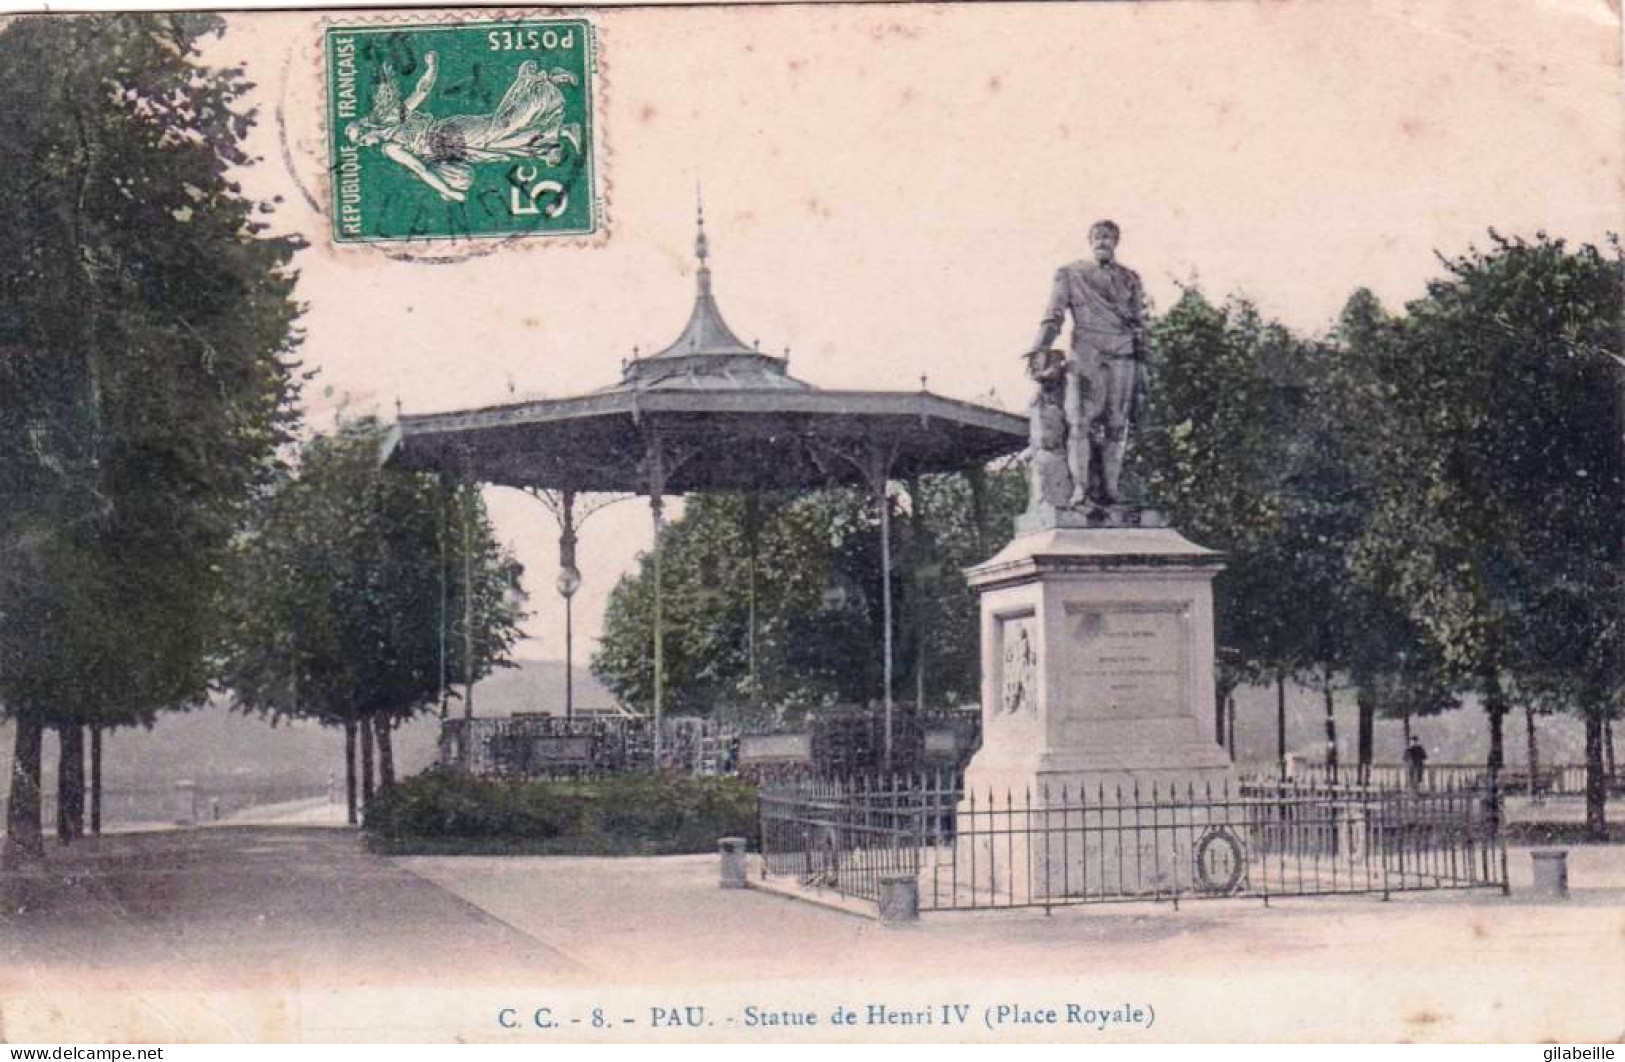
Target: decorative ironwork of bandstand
(708,413)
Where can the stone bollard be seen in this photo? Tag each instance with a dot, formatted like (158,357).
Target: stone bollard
(732,850)
(187,790)
(899,899)
(1551,872)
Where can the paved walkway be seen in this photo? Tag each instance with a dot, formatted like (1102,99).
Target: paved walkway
(232,906)
(282,933)
(313,811)
(1437,966)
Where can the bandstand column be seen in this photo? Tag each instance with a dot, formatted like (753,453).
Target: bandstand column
(879,473)
(753,522)
(655,472)
(442,536)
(916,507)
(469,492)
(569,581)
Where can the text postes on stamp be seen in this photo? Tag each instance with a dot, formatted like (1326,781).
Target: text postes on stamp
(461,130)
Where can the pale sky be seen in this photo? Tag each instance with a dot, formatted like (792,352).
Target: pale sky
(890,188)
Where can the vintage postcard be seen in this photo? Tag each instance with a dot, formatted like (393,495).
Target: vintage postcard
(1089,523)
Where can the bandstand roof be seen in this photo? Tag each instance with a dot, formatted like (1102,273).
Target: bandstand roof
(724,415)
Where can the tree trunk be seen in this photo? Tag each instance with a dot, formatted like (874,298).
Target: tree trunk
(1496,705)
(386,753)
(1280,723)
(1406,721)
(95,781)
(976,479)
(349,774)
(1230,712)
(1534,751)
(1331,730)
(70,782)
(25,839)
(1367,734)
(366,764)
(1596,784)
(1610,764)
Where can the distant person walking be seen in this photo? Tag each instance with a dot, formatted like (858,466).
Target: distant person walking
(1416,762)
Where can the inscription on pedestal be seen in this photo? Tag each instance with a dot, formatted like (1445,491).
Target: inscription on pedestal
(1126,661)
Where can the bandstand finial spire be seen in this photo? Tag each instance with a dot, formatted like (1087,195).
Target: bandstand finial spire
(702,249)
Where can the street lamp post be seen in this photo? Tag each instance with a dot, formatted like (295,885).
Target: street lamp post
(569,581)
(562,504)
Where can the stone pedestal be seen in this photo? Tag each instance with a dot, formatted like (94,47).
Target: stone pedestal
(1097,689)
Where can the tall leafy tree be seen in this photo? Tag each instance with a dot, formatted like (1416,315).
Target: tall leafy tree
(817,600)
(1395,665)
(147,325)
(1511,505)
(1350,629)
(1228,398)
(359,591)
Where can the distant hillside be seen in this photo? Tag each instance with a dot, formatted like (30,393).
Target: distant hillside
(1460,736)
(224,751)
(220,749)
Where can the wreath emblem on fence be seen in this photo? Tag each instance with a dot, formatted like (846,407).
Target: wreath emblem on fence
(1220,861)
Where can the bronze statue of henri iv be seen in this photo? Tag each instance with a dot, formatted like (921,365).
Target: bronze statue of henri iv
(1091,397)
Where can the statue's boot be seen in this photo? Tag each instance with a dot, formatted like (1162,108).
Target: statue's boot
(1077,462)
(1111,468)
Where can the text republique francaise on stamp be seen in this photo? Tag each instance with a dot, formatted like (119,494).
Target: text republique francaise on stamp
(461,130)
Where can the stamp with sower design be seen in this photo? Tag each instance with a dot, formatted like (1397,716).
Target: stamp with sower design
(461,130)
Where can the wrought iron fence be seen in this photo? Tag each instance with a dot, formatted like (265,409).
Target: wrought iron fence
(834,743)
(545,746)
(1056,848)
(848,741)
(1557,779)
(845,835)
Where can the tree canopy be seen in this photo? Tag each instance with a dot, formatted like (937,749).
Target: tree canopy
(817,600)
(350,598)
(147,333)
(1500,511)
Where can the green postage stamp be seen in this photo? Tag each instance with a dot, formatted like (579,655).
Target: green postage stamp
(461,130)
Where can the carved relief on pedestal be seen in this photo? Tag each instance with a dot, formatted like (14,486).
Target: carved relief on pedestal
(1018,666)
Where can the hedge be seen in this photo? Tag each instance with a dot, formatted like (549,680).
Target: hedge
(447,812)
